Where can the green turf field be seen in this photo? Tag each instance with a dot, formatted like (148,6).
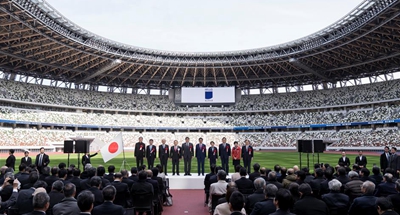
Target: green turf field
(265,159)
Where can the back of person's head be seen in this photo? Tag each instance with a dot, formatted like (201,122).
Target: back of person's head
(85,201)
(142,175)
(329,172)
(124,173)
(154,170)
(46,170)
(341,171)
(221,175)
(283,199)
(301,175)
(243,171)
(70,171)
(237,168)
(76,172)
(398,185)
(319,172)
(383,204)
(118,175)
(353,174)
(259,183)
(160,168)
(41,201)
(111,169)
(212,168)
(376,170)
(306,170)
(134,170)
(272,176)
(317,166)
(87,166)
(62,173)
(69,190)
(149,173)
(294,189)
(334,185)
(390,170)
(305,189)
(109,193)
(95,181)
(11,151)
(54,170)
(388,177)
(22,167)
(57,186)
(101,171)
(277,168)
(236,201)
(290,171)
(9,175)
(368,187)
(256,167)
(365,172)
(270,190)
(91,172)
(40,183)
(62,165)
(283,170)
(263,171)
(33,177)
(229,191)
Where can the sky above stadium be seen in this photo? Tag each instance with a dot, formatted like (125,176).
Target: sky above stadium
(206,25)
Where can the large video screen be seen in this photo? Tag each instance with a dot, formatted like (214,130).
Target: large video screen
(208,95)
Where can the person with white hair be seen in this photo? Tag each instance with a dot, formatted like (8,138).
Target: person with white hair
(337,202)
(365,204)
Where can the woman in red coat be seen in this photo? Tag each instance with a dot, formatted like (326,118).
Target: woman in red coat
(236,154)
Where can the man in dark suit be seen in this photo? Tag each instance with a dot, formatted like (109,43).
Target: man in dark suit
(266,206)
(236,203)
(85,202)
(256,173)
(337,202)
(110,175)
(344,161)
(361,160)
(95,184)
(55,194)
(365,204)
(151,152)
(224,154)
(387,187)
(188,153)
(201,156)
(26,159)
(394,161)
(108,207)
(23,176)
(257,196)
(175,155)
(10,162)
(244,185)
(76,180)
(163,155)
(207,182)
(140,152)
(51,179)
(41,202)
(385,159)
(142,187)
(385,207)
(395,198)
(122,190)
(134,177)
(212,153)
(86,158)
(247,155)
(42,160)
(68,205)
(25,196)
(126,179)
(308,204)
(283,201)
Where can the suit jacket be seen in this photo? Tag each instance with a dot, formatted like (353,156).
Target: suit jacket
(77,182)
(244,185)
(142,188)
(346,161)
(163,152)
(23,178)
(385,188)
(395,199)
(254,175)
(265,206)
(201,150)
(35,213)
(50,180)
(140,150)
(247,154)
(10,162)
(336,201)
(86,159)
(156,188)
(364,205)
(361,161)
(151,154)
(128,182)
(384,161)
(224,153)
(252,199)
(24,201)
(213,153)
(27,162)
(45,160)
(394,162)
(207,181)
(55,198)
(187,150)
(310,205)
(67,206)
(98,196)
(122,193)
(176,154)
(108,208)
(281,212)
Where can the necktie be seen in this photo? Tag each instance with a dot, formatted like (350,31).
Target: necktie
(387,156)
(40,159)
(176,148)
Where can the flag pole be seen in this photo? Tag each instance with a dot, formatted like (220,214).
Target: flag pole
(124,163)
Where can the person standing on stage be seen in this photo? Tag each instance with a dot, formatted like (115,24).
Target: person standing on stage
(151,153)
(236,154)
(175,154)
(247,154)
(163,154)
(385,159)
(26,159)
(212,153)
(224,154)
(10,162)
(140,150)
(188,153)
(86,158)
(42,160)
(201,156)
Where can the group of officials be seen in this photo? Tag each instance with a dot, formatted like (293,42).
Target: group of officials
(187,151)
(41,161)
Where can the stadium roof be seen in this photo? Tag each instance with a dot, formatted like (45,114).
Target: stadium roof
(38,41)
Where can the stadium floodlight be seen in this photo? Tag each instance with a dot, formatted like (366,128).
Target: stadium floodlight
(111,65)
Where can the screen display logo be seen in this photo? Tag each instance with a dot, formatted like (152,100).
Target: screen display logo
(208,93)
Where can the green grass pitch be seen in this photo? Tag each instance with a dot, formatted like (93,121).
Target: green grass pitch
(265,159)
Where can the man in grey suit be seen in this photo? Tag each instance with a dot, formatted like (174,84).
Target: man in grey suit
(68,205)
(394,162)
(188,153)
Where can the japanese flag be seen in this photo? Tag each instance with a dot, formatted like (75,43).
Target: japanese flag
(113,149)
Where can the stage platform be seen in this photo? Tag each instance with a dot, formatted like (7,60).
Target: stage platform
(182,182)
